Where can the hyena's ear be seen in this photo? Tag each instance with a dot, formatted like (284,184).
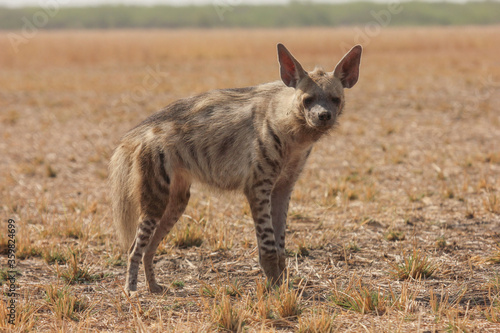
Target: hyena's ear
(347,70)
(290,69)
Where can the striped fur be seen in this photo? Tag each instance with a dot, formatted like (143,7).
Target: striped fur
(255,140)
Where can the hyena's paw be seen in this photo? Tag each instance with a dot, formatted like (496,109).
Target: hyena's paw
(271,266)
(155,288)
(131,293)
(274,281)
(282,264)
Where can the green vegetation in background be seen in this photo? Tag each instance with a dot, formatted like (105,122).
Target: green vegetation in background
(212,16)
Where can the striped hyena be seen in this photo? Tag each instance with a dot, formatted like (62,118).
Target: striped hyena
(254,139)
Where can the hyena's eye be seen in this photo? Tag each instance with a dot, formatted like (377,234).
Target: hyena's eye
(308,102)
(336,100)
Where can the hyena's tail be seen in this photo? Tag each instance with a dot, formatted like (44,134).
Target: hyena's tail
(123,197)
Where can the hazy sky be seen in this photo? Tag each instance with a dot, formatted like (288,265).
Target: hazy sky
(45,3)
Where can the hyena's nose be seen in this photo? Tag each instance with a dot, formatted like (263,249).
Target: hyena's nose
(324,116)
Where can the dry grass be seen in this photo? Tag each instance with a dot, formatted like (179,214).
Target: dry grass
(414,164)
(415,265)
(320,321)
(360,298)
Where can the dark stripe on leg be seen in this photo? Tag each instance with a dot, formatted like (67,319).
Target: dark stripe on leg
(163,172)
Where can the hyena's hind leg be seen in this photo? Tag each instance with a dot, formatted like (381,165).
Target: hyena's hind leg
(154,190)
(179,198)
(144,231)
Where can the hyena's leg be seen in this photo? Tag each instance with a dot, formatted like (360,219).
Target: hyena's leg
(259,198)
(179,197)
(144,231)
(280,199)
(154,195)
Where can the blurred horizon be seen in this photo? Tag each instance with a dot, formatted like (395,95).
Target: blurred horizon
(242,14)
(87,3)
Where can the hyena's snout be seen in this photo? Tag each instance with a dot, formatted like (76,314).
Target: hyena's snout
(322,117)
(325,116)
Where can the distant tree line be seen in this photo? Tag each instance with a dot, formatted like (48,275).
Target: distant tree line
(221,14)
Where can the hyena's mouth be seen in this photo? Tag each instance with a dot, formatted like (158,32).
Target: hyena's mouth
(321,126)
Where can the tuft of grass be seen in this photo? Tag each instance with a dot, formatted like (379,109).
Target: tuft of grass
(493,157)
(191,235)
(11,117)
(495,257)
(4,244)
(287,301)
(263,306)
(178,284)
(50,171)
(492,203)
(415,197)
(54,256)
(318,322)
(26,251)
(458,322)
(359,298)
(438,303)
(353,177)
(116,260)
(352,195)
(416,266)
(63,303)
(235,288)
(208,290)
(469,213)
(441,304)
(448,193)
(352,247)
(25,318)
(441,242)
(227,316)
(4,274)
(494,284)
(302,248)
(219,240)
(393,236)
(406,300)
(76,273)
(370,192)
(74,232)
(335,190)
(492,312)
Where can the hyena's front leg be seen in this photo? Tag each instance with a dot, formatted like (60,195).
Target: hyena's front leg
(280,199)
(259,198)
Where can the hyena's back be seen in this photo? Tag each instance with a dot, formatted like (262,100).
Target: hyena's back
(202,137)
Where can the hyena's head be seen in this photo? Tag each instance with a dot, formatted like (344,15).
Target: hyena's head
(319,95)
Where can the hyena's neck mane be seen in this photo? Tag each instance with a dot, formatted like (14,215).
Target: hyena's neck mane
(283,110)
(277,103)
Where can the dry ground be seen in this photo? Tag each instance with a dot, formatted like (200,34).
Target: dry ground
(412,173)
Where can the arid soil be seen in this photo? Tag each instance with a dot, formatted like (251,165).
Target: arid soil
(393,226)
